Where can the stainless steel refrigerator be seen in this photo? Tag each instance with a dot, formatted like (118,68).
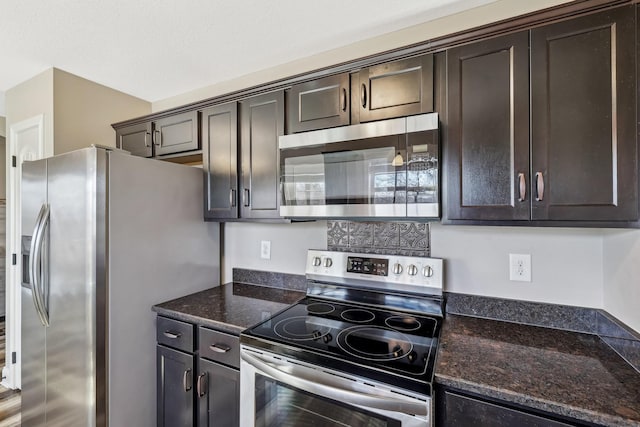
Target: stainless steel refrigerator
(105,236)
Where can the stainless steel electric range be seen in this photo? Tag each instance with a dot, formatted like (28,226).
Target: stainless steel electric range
(358,350)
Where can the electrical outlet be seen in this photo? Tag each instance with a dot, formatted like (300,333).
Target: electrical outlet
(520,267)
(265,249)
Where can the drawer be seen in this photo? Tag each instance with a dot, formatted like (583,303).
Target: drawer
(220,347)
(174,333)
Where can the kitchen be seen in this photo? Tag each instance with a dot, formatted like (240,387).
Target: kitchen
(584,267)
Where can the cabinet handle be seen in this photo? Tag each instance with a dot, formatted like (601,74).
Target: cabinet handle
(232,197)
(245,197)
(146,143)
(157,137)
(363,95)
(343,101)
(186,380)
(172,335)
(220,348)
(539,186)
(201,384)
(523,187)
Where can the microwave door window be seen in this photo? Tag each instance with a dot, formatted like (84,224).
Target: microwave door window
(304,181)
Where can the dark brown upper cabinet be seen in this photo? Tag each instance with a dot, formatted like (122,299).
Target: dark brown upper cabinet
(220,161)
(568,153)
(319,104)
(176,133)
(487,147)
(583,123)
(394,89)
(136,139)
(261,123)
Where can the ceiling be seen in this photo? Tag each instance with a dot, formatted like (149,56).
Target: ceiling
(155,49)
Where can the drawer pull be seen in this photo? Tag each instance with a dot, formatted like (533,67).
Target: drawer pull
(172,335)
(220,348)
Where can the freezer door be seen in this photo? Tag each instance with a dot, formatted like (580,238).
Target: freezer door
(75,340)
(34,195)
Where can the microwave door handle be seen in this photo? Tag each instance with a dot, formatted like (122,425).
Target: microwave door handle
(321,387)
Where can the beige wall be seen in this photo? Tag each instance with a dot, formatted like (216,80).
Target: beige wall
(482,15)
(84,111)
(29,99)
(3,125)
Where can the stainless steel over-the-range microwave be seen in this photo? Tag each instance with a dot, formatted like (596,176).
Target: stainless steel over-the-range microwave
(387,168)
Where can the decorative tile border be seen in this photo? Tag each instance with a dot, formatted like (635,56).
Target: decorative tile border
(295,282)
(616,334)
(379,237)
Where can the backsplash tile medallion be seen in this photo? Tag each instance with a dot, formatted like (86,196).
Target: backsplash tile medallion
(379,237)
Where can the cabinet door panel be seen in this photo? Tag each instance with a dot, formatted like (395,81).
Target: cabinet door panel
(176,133)
(262,122)
(220,156)
(219,404)
(136,139)
(487,148)
(175,388)
(466,411)
(319,104)
(583,118)
(395,89)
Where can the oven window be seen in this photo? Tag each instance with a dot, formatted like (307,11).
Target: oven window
(279,405)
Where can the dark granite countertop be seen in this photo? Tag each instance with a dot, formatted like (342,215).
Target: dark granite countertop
(567,373)
(231,308)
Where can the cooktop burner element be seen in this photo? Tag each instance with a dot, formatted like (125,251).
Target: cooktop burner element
(373,316)
(357,315)
(374,343)
(403,323)
(320,308)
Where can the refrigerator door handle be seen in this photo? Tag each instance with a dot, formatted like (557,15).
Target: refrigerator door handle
(35,265)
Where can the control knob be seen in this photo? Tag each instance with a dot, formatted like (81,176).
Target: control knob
(412,270)
(317,261)
(427,271)
(328,262)
(397,268)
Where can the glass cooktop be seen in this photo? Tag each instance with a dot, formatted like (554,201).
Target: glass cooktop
(386,345)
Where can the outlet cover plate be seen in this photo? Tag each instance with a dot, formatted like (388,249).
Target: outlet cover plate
(265,249)
(520,267)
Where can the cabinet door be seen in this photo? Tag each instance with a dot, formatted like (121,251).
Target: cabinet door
(487,146)
(136,139)
(175,388)
(319,104)
(218,395)
(262,122)
(220,157)
(583,131)
(466,411)
(176,133)
(396,89)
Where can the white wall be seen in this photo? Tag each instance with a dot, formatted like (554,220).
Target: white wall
(566,264)
(622,275)
(492,12)
(289,244)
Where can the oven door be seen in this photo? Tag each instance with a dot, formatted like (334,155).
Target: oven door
(275,392)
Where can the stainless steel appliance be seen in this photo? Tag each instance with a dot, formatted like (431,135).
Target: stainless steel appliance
(106,236)
(358,350)
(387,168)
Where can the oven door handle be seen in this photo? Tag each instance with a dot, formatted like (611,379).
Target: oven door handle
(321,387)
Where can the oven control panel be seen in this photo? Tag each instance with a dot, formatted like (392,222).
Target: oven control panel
(416,274)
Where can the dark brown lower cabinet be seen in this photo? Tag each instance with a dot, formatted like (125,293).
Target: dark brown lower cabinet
(218,395)
(175,406)
(454,409)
